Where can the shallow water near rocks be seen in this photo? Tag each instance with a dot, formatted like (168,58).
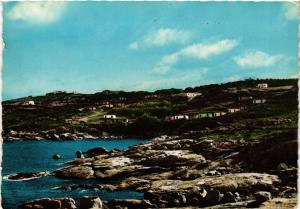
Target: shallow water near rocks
(35,156)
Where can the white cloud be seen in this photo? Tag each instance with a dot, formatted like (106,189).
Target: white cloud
(165,36)
(291,10)
(204,51)
(197,51)
(37,12)
(134,45)
(257,59)
(161,37)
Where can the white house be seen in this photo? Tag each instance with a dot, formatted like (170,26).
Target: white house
(233,110)
(28,103)
(259,101)
(262,85)
(113,119)
(177,117)
(109,116)
(189,95)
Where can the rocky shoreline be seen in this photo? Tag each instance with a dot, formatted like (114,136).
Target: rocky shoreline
(54,135)
(179,172)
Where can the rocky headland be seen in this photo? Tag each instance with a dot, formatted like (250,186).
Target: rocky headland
(181,172)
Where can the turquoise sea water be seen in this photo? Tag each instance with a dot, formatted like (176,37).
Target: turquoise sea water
(35,156)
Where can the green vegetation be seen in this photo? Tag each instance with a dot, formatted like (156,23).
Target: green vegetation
(147,111)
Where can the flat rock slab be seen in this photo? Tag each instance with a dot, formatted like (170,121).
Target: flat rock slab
(79,172)
(224,183)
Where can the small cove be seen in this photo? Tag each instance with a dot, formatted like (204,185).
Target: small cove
(35,156)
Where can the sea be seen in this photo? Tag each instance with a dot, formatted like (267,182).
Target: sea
(36,156)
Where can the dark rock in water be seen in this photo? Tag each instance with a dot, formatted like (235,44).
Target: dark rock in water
(56,156)
(27,176)
(80,156)
(96,151)
(48,203)
(90,203)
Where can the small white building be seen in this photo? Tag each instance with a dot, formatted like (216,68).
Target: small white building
(189,95)
(177,117)
(262,85)
(109,116)
(233,110)
(259,101)
(28,103)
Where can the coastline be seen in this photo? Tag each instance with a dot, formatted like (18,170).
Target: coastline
(208,173)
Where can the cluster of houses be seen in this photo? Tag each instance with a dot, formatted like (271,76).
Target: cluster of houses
(204,114)
(211,114)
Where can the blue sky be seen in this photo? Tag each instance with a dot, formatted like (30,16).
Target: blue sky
(93,46)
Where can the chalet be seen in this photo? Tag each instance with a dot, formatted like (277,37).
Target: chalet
(91,108)
(56,104)
(259,101)
(112,119)
(262,86)
(28,103)
(177,117)
(233,110)
(120,104)
(109,116)
(210,114)
(245,98)
(152,96)
(72,121)
(189,95)
(232,90)
(107,105)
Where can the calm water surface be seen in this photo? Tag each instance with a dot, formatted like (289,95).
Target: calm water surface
(35,156)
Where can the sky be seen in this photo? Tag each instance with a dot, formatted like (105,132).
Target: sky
(93,46)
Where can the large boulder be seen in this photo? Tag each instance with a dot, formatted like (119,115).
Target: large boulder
(96,151)
(130,203)
(90,203)
(171,158)
(49,203)
(208,190)
(80,172)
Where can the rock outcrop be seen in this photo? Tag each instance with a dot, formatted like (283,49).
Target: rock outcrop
(48,203)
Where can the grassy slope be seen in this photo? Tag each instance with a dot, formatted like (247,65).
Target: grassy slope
(280,104)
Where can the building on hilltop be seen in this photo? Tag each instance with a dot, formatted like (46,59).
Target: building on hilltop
(233,110)
(209,114)
(259,101)
(112,119)
(188,95)
(28,103)
(177,117)
(262,86)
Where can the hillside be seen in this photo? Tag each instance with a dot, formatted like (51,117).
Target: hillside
(190,111)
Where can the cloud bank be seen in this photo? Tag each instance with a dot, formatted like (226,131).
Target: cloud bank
(257,59)
(291,10)
(37,12)
(198,51)
(161,37)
